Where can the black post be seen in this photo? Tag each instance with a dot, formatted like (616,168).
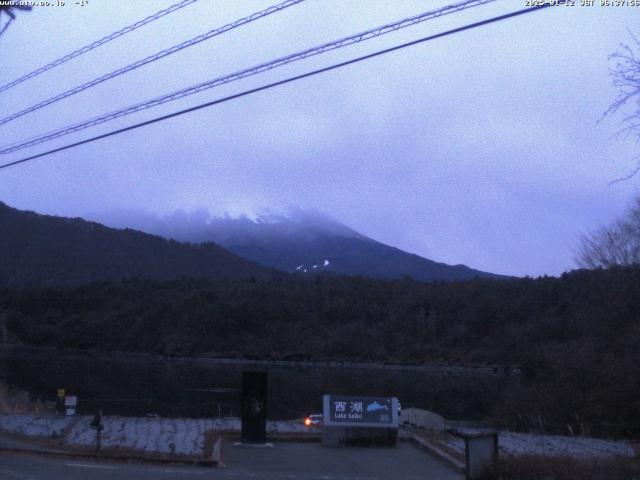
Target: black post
(60,401)
(97,424)
(254,407)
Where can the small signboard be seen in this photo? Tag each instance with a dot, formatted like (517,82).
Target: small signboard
(61,393)
(356,411)
(70,401)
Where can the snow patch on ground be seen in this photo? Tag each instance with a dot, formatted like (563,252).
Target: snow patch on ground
(186,436)
(182,436)
(512,443)
(35,425)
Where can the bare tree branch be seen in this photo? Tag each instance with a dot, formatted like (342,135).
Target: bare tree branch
(614,245)
(626,77)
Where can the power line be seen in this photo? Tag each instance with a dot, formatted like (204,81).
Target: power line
(283,82)
(153,58)
(97,43)
(263,67)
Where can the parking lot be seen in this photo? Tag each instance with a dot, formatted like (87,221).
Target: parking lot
(305,461)
(313,461)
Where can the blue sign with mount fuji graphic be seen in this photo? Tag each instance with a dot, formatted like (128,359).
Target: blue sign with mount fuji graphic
(360,411)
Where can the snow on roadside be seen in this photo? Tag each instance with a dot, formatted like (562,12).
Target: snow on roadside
(512,443)
(182,436)
(35,425)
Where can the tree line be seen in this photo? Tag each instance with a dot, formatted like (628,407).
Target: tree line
(576,338)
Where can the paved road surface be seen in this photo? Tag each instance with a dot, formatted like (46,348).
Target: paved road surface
(283,462)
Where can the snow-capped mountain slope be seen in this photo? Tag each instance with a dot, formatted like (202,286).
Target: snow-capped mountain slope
(300,242)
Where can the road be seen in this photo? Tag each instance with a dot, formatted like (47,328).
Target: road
(282,462)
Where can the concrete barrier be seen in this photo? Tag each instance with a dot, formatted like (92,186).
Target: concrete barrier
(481,451)
(359,436)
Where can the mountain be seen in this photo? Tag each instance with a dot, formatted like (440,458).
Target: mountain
(301,241)
(42,250)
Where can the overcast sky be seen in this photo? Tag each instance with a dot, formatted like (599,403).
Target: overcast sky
(482,148)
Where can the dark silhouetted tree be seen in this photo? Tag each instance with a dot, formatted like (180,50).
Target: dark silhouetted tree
(614,245)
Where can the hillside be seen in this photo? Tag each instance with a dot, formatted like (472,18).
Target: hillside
(41,250)
(300,242)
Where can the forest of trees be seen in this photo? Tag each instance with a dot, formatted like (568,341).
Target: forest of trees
(574,337)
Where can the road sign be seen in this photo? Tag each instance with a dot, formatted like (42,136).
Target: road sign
(350,410)
(70,401)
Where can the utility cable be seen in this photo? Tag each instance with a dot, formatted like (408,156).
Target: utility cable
(152,58)
(263,67)
(97,43)
(282,82)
